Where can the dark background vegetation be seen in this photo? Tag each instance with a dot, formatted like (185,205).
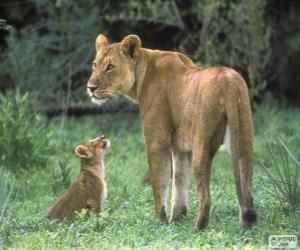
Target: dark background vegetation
(48,48)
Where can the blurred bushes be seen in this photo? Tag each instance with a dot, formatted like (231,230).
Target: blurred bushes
(50,54)
(47,57)
(286,49)
(4,25)
(25,141)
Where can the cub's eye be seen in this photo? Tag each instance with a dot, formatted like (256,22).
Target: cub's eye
(94,65)
(109,67)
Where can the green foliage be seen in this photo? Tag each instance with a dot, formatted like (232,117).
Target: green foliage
(6,187)
(4,25)
(25,141)
(286,41)
(49,64)
(51,57)
(61,179)
(283,173)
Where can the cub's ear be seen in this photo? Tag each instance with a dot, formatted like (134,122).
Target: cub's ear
(101,41)
(131,45)
(83,152)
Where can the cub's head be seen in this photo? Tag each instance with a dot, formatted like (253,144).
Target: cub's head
(92,150)
(113,69)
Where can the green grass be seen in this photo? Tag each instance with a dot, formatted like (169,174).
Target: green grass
(128,220)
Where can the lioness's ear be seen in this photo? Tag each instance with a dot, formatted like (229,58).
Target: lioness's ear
(101,41)
(83,152)
(131,45)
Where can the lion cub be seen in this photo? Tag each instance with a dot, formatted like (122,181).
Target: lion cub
(89,191)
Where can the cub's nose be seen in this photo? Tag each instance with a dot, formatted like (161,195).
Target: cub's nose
(92,88)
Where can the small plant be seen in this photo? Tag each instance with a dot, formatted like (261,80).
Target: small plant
(4,25)
(5,193)
(283,173)
(25,141)
(61,178)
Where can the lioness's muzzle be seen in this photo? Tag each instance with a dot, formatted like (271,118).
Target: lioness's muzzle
(92,88)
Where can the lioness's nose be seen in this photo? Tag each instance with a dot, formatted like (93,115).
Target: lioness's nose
(92,88)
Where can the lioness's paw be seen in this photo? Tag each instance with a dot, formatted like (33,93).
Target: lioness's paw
(248,218)
(178,212)
(202,222)
(163,215)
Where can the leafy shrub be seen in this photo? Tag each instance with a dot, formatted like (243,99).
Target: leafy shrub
(6,186)
(282,173)
(25,141)
(4,25)
(48,58)
(61,178)
(51,56)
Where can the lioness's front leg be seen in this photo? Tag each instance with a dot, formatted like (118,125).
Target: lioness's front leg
(159,157)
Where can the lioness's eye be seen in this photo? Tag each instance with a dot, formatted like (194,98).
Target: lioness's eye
(109,67)
(94,65)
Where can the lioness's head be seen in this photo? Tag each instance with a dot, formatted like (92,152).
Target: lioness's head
(92,150)
(113,67)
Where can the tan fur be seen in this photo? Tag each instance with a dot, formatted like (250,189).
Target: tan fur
(184,111)
(89,191)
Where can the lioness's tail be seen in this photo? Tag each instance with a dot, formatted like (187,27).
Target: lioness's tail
(239,122)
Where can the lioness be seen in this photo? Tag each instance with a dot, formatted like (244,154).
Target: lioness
(89,191)
(185,111)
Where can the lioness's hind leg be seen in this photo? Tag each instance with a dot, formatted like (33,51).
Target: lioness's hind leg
(201,167)
(180,185)
(208,136)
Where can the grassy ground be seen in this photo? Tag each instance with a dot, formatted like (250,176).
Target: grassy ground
(128,220)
